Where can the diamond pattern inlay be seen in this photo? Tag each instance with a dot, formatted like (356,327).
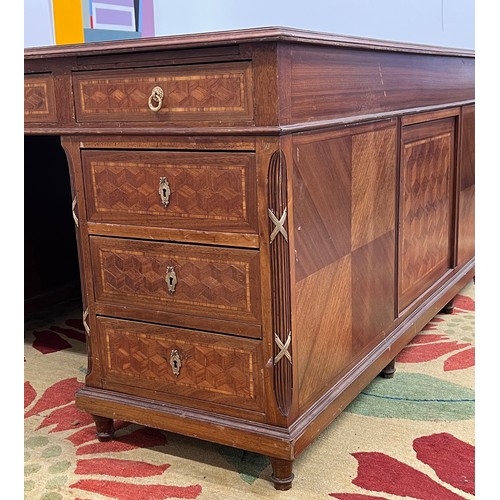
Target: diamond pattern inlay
(426,212)
(197,92)
(215,368)
(201,282)
(197,191)
(35,98)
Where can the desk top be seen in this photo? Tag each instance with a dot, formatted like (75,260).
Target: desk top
(254,35)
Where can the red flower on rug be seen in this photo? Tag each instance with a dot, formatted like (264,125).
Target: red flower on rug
(427,347)
(431,346)
(59,412)
(463,303)
(451,459)
(50,340)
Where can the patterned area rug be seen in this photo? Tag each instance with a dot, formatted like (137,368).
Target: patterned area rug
(407,437)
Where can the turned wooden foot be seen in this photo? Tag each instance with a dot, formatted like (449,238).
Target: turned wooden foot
(282,476)
(448,308)
(104,428)
(389,370)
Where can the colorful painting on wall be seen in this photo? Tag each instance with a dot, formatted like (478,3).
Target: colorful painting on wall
(77,21)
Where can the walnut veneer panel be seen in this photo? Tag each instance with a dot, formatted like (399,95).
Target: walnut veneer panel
(322,208)
(427,175)
(214,282)
(334,83)
(373,185)
(345,202)
(323,328)
(39,99)
(210,367)
(210,92)
(466,217)
(205,190)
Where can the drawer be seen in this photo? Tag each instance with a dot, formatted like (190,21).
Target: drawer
(221,283)
(172,189)
(39,99)
(180,363)
(202,93)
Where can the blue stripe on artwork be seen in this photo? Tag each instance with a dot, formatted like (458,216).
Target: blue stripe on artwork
(139,17)
(86,10)
(98,35)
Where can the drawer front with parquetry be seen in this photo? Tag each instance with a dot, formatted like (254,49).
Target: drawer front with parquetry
(221,283)
(202,93)
(39,99)
(171,189)
(181,362)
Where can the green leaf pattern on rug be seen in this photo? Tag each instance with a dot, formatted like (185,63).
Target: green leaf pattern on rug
(51,451)
(59,467)
(29,485)
(415,396)
(36,441)
(249,465)
(44,472)
(52,496)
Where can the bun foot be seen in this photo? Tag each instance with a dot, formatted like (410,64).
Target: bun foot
(449,308)
(389,370)
(282,476)
(104,428)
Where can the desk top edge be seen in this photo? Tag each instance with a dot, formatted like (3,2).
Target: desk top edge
(254,35)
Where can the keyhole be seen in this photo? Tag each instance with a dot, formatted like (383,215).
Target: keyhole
(175,364)
(171,280)
(164,193)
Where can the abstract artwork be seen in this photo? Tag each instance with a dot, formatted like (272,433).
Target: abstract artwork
(77,21)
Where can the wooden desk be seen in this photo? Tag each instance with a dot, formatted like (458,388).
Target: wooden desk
(264,219)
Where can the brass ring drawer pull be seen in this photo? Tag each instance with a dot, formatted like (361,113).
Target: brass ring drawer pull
(157,95)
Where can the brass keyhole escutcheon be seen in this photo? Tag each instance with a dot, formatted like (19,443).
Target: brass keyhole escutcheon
(171,279)
(164,191)
(175,362)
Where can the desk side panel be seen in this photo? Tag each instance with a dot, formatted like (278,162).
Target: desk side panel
(344,192)
(466,225)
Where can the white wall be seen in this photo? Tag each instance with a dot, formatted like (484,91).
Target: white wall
(38,23)
(449,23)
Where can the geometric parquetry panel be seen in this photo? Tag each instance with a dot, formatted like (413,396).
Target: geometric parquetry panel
(425,212)
(39,99)
(215,368)
(202,90)
(35,99)
(204,188)
(196,191)
(199,281)
(210,281)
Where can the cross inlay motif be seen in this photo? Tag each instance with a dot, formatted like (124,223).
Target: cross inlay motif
(279,225)
(84,319)
(283,348)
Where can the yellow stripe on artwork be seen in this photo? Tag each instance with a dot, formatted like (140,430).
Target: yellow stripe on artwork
(68,21)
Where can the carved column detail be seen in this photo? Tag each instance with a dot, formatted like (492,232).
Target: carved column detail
(280,282)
